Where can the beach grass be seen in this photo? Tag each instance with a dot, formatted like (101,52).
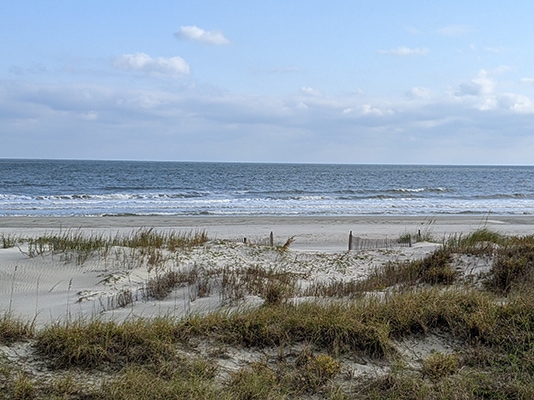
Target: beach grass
(300,342)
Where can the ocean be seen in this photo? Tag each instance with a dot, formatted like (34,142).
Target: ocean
(90,188)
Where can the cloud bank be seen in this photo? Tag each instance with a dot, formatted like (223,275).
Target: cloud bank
(475,119)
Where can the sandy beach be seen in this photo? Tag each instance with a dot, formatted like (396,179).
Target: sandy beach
(124,283)
(311,232)
(49,287)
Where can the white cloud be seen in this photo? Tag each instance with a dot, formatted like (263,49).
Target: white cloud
(527,81)
(478,86)
(454,30)
(367,109)
(197,34)
(516,103)
(159,66)
(404,51)
(480,93)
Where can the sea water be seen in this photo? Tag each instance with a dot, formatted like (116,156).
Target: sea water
(74,187)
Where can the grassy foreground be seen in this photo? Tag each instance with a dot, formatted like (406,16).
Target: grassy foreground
(302,349)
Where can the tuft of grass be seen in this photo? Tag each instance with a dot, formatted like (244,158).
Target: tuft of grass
(173,241)
(161,285)
(257,382)
(433,269)
(422,234)
(285,246)
(290,378)
(9,240)
(73,245)
(183,381)
(513,267)
(336,327)
(272,285)
(23,387)
(97,343)
(13,329)
(482,242)
(77,246)
(439,365)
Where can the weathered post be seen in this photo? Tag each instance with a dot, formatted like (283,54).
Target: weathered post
(271,239)
(350,241)
(245,240)
(410,240)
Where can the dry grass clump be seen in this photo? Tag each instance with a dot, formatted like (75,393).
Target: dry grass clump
(9,240)
(480,242)
(292,377)
(13,329)
(513,266)
(72,245)
(162,284)
(435,269)
(172,241)
(271,284)
(78,246)
(180,378)
(439,365)
(97,343)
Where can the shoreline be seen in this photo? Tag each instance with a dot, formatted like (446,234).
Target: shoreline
(179,220)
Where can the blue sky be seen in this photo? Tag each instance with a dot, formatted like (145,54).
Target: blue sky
(382,81)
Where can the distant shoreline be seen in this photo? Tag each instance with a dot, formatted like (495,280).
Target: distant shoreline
(209,220)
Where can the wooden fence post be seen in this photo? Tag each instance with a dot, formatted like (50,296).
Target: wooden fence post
(271,239)
(350,241)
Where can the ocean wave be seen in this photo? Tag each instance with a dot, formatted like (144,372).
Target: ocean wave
(104,196)
(499,196)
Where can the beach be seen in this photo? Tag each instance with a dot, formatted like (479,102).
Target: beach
(321,232)
(231,268)
(49,287)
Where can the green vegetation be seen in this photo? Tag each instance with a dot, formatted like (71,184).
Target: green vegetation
(297,349)
(75,245)
(13,329)
(8,241)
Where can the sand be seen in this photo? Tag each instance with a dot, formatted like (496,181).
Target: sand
(48,288)
(312,232)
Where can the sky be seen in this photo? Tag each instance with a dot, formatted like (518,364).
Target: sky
(337,81)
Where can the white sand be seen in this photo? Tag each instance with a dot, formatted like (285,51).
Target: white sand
(49,288)
(311,232)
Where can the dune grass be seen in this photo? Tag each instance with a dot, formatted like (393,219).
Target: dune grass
(307,346)
(14,329)
(78,246)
